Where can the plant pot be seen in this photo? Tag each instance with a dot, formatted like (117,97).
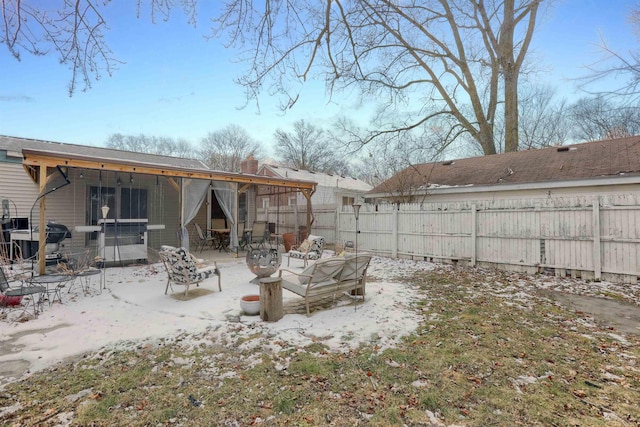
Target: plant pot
(289,240)
(250,304)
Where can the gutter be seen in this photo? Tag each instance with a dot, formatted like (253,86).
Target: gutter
(470,189)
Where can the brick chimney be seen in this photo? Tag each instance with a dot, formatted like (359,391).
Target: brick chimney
(249,165)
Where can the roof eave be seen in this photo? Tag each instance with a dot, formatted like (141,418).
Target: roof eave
(590,182)
(52,159)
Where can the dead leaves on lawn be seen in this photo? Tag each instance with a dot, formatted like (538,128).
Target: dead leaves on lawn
(490,350)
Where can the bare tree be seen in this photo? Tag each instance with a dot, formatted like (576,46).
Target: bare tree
(431,58)
(621,67)
(308,147)
(543,120)
(391,165)
(151,144)
(224,149)
(598,118)
(74,30)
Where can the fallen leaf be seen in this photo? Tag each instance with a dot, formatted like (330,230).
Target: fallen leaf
(579,393)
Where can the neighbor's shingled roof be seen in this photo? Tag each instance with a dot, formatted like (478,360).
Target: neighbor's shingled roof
(570,162)
(321,178)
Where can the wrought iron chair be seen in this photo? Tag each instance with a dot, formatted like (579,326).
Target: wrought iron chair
(83,266)
(12,295)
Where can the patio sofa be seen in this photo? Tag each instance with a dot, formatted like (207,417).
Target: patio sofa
(328,277)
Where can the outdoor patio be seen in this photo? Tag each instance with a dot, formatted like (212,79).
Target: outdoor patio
(133,309)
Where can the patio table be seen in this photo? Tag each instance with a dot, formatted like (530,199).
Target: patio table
(85,278)
(222,236)
(53,283)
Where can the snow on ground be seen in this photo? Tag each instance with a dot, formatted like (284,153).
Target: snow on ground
(135,308)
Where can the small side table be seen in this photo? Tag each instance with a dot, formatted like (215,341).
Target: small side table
(53,284)
(271,299)
(85,278)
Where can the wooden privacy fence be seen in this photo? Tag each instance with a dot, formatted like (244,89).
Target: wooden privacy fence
(589,237)
(289,219)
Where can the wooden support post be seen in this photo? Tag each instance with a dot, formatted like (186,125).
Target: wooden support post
(42,222)
(271,299)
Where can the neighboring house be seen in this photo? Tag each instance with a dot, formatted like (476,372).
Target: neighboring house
(150,197)
(332,190)
(588,169)
(288,212)
(573,209)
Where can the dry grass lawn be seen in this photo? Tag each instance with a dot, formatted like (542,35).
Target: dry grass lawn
(490,350)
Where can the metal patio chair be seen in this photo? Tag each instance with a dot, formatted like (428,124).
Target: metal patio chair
(203,239)
(259,234)
(11,295)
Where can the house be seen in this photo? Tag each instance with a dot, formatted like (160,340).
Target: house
(573,209)
(332,189)
(123,201)
(587,169)
(285,211)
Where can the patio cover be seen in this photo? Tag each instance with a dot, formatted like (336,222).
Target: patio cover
(36,163)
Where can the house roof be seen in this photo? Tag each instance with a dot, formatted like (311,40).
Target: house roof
(607,158)
(11,143)
(37,153)
(323,179)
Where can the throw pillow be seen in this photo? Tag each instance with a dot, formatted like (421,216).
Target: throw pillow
(304,247)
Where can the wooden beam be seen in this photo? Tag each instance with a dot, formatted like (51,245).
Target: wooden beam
(32,172)
(174,184)
(34,158)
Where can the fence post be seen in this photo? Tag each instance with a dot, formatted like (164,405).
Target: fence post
(337,232)
(394,233)
(597,258)
(474,234)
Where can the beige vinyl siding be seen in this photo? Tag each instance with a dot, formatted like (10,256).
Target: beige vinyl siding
(16,185)
(69,204)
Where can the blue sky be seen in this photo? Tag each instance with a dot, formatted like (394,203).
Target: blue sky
(175,83)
